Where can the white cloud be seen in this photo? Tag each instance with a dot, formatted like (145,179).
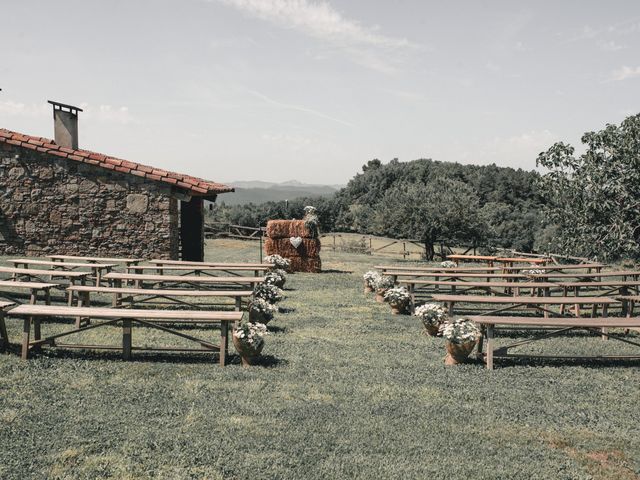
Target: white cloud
(298,108)
(517,150)
(624,73)
(12,108)
(611,46)
(364,45)
(108,113)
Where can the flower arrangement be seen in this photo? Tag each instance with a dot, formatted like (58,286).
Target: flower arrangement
(460,331)
(461,336)
(248,338)
(260,309)
(432,316)
(277,277)
(278,261)
(311,221)
(533,272)
(251,333)
(397,295)
(383,282)
(448,264)
(369,280)
(398,298)
(268,292)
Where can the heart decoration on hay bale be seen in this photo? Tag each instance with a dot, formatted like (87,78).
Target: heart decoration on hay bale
(295,241)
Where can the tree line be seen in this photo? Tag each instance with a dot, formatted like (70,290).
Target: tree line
(584,206)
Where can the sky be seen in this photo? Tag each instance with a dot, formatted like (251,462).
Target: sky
(276,90)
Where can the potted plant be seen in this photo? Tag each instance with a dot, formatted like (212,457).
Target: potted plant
(461,336)
(261,311)
(369,280)
(311,221)
(248,338)
(399,299)
(448,264)
(533,273)
(432,316)
(268,292)
(277,277)
(381,285)
(279,262)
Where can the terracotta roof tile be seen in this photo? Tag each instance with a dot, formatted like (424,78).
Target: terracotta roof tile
(196,186)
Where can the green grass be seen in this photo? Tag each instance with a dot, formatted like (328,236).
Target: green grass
(345,391)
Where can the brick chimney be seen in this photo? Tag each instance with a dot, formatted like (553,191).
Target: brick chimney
(65,124)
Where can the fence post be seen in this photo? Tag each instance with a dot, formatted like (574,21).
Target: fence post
(404,250)
(334,242)
(370,247)
(260,234)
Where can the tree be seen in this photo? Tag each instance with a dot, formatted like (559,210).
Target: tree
(593,199)
(440,210)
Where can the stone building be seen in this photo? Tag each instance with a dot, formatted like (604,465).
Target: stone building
(56,198)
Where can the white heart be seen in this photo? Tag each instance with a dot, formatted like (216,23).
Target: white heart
(295,241)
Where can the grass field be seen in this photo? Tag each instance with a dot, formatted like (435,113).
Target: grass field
(345,390)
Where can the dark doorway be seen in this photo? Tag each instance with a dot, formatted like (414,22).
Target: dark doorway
(192,229)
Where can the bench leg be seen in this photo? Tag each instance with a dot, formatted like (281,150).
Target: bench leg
(126,339)
(4,338)
(490,344)
(224,342)
(26,331)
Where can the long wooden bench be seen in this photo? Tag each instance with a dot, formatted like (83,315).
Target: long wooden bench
(131,295)
(196,269)
(97,269)
(125,261)
(161,262)
(127,317)
(34,288)
(196,281)
(472,258)
(561,324)
(4,338)
(539,303)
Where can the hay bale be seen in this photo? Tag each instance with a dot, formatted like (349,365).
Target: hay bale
(310,265)
(297,229)
(310,247)
(278,228)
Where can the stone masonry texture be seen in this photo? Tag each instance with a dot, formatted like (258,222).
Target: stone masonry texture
(50,205)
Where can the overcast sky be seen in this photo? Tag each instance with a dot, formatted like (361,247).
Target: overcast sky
(301,89)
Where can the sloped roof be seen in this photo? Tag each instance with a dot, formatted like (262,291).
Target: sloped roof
(195,186)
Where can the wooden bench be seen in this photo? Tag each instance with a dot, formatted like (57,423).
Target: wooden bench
(560,324)
(199,282)
(161,262)
(539,303)
(96,268)
(510,261)
(196,269)
(472,258)
(34,288)
(125,261)
(4,338)
(456,287)
(128,317)
(131,296)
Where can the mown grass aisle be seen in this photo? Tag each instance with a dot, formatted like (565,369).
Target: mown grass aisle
(346,391)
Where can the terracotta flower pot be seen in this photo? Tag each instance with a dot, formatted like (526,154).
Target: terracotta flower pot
(398,308)
(431,330)
(380,295)
(458,352)
(248,354)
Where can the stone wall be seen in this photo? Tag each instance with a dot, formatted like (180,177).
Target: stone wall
(50,205)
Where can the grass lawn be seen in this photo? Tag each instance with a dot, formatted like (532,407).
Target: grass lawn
(345,390)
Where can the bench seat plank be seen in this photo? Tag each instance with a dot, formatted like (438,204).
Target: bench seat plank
(524,300)
(598,322)
(180,278)
(100,312)
(169,293)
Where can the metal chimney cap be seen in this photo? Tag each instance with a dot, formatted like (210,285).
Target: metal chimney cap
(62,106)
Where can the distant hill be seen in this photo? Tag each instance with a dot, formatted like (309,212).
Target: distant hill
(260,192)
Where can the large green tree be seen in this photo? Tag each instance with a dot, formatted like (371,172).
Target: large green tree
(444,209)
(594,198)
